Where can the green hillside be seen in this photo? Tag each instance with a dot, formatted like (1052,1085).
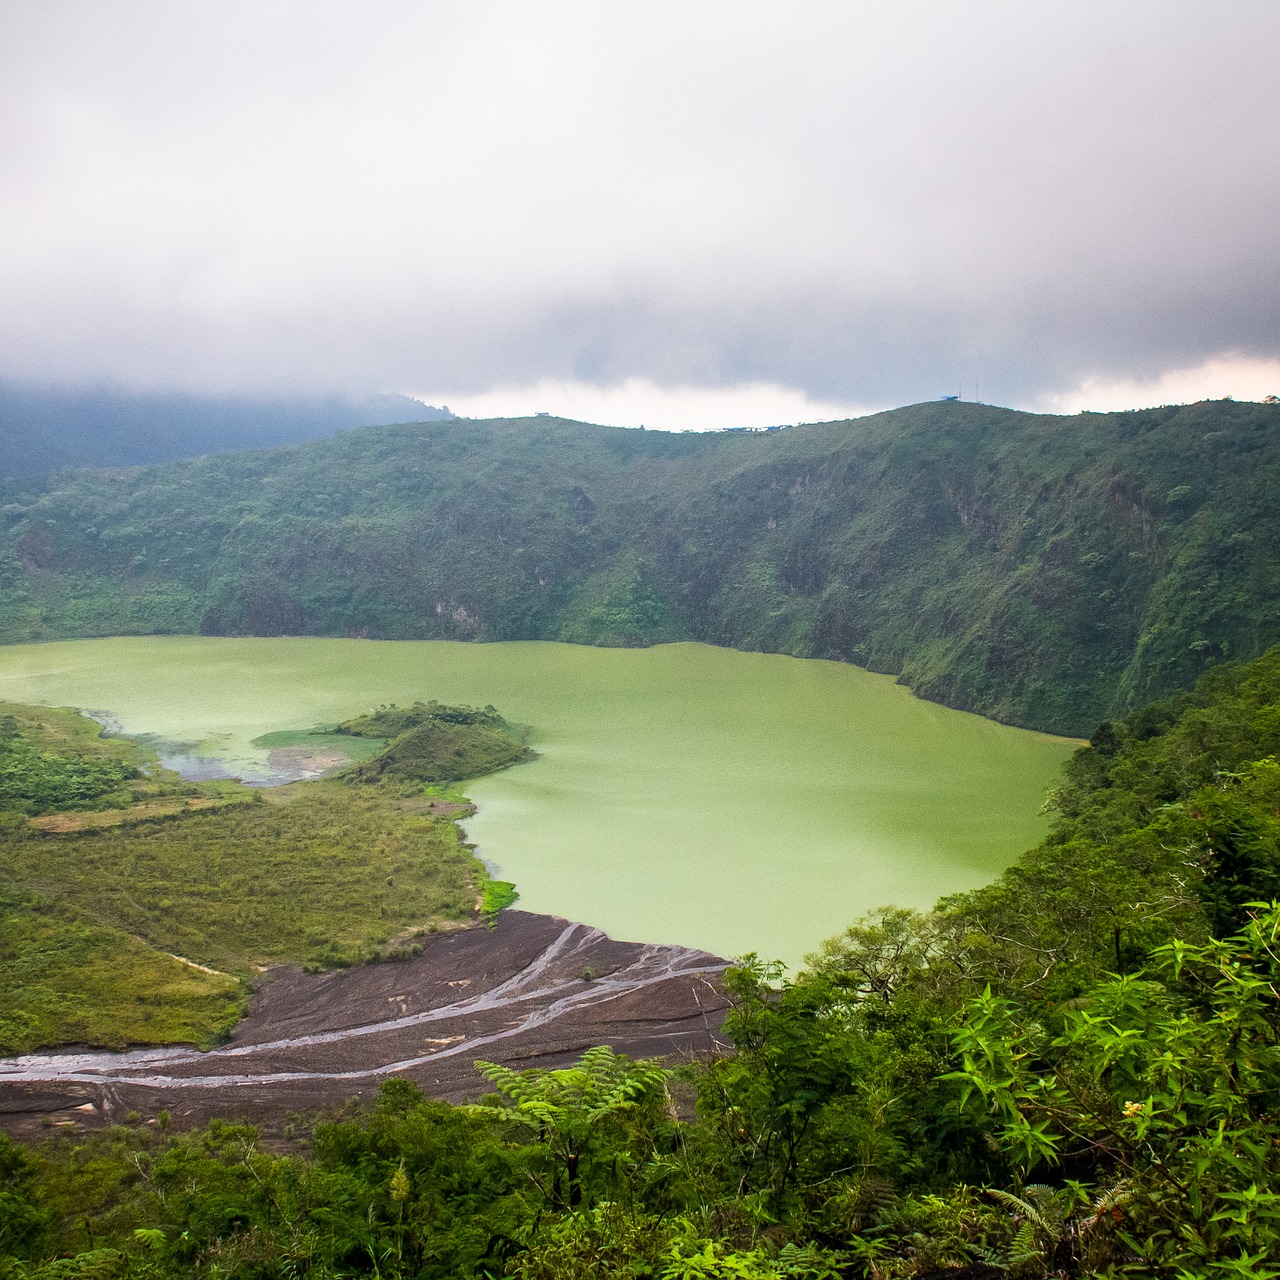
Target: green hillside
(1047,571)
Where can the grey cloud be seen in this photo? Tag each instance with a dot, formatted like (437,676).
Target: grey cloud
(859,201)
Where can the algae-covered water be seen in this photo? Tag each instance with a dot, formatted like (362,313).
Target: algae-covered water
(682,794)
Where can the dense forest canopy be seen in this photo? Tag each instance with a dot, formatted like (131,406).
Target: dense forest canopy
(1051,572)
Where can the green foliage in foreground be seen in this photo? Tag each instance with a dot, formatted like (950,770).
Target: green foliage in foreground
(569,1111)
(1045,571)
(831,1144)
(435,744)
(1163,1085)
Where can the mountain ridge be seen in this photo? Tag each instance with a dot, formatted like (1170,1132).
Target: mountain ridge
(1046,571)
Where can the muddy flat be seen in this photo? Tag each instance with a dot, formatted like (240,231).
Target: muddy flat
(295,764)
(532,991)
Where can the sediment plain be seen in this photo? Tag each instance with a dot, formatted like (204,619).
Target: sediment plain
(530,991)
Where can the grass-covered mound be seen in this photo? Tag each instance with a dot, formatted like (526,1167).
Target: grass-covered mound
(435,744)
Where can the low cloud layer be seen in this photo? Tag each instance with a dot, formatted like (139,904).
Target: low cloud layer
(638,402)
(851,205)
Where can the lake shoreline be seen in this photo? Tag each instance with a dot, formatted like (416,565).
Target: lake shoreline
(748,779)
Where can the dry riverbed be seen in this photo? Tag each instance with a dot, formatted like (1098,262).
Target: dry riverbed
(532,991)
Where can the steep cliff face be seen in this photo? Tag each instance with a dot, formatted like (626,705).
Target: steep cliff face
(1047,571)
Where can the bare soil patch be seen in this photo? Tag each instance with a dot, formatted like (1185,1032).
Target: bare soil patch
(63,822)
(302,762)
(533,991)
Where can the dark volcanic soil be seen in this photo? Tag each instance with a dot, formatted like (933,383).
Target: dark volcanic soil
(515,994)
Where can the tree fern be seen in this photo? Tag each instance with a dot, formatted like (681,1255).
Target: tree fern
(564,1107)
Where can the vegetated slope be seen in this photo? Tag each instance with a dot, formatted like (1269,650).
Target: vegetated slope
(1046,571)
(313,871)
(48,428)
(69,974)
(110,867)
(51,760)
(1167,825)
(1048,1077)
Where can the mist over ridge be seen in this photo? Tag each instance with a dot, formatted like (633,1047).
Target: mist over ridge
(870,206)
(58,428)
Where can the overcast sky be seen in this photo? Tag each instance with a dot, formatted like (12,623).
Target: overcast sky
(691,213)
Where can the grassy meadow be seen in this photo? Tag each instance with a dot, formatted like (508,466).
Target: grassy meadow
(315,872)
(137,909)
(67,980)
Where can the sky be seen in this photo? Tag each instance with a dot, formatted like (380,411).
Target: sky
(689,214)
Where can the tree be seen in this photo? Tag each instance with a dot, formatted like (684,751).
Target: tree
(567,1109)
(1166,1087)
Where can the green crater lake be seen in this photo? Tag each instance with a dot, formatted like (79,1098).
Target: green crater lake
(682,794)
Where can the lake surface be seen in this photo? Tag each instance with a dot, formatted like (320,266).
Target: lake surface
(682,794)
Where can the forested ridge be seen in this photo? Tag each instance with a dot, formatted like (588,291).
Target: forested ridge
(1046,571)
(1074,1071)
